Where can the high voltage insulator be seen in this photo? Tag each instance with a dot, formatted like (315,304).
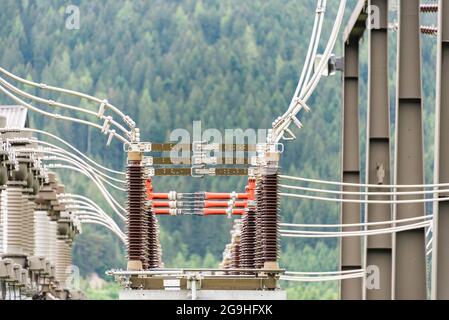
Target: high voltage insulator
(43,237)
(269,221)
(248,233)
(235,253)
(63,261)
(429,7)
(258,219)
(14,220)
(429,30)
(153,250)
(248,240)
(137,217)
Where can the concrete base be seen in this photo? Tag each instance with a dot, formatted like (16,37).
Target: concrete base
(203,295)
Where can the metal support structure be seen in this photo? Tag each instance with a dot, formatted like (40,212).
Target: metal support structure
(409,278)
(350,247)
(378,259)
(440,276)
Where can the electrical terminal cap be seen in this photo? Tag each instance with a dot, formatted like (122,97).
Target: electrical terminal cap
(173,204)
(147,161)
(229,213)
(106,125)
(102,108)
(303,105)
(129,122)
(145,146)
(172,195)
(231,203)
(111,136)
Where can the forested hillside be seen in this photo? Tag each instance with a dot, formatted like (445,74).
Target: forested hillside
(167,63)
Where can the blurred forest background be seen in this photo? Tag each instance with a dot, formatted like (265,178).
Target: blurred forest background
(167,63)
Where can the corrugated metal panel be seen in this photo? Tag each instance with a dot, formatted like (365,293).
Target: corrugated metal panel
(16,116)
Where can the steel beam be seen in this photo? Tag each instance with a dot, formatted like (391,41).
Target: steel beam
(350,247)
(440,276)
(350,255)
(409,279)
(378,258)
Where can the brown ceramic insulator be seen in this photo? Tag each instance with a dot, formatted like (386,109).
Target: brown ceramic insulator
(269,224)
(429,30)
(258,240)
(248,240)
(158,244)
(429,7)
(153,248)
(235,257)
(137,216)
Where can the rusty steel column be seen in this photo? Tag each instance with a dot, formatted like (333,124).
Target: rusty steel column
(378,248)
(440,263)
(409,246)
(137,225)
(350,247)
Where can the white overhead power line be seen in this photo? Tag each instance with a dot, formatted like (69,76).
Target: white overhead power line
(111,201)
(342,234)
(303,196)
(52,149)
(112,133)
(80,95)
(68,145)
(363,224)
(282,124)
(52,103)
(346,184)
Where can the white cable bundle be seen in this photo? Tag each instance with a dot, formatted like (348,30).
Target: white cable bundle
(306,88)
(122,173)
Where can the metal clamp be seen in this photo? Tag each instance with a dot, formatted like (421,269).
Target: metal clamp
(147,161)
(129,122)
(199,171)
(202,159)
(202,146)
(149,172)
(145,146)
